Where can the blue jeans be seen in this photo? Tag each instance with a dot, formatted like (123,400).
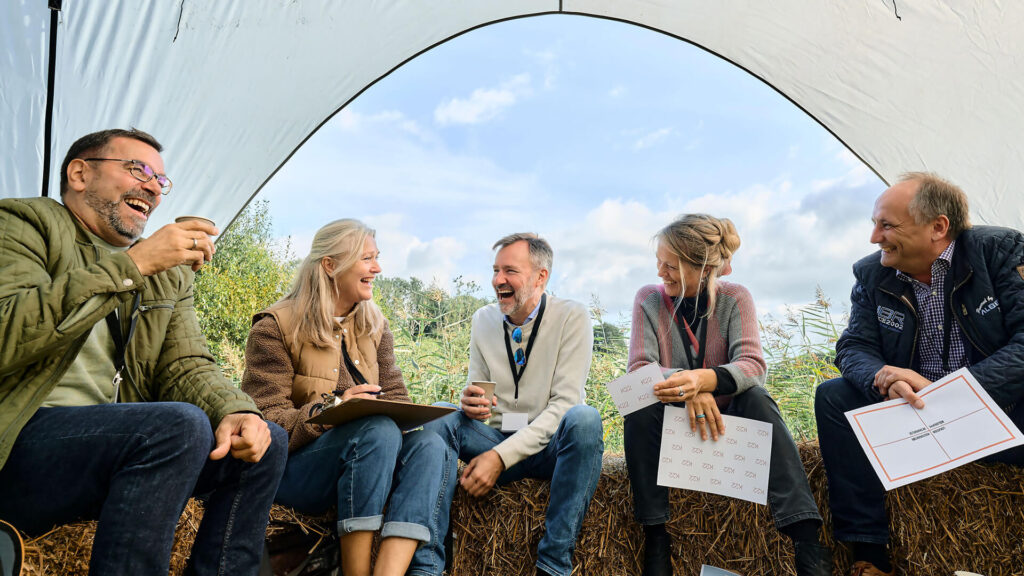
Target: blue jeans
(789,494)
(133,467)
(856,496)
(571,460)
(359,466)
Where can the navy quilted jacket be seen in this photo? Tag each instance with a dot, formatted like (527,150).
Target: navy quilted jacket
(986,300)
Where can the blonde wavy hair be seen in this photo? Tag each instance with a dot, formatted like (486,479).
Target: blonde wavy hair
(313,294)
(703,242)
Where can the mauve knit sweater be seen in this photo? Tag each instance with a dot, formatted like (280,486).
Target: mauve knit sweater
(733,338)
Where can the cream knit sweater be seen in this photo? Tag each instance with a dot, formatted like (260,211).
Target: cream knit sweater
(555,374)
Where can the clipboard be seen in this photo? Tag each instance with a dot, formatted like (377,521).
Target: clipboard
(407,415)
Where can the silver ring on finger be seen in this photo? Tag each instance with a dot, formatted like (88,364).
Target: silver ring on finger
(195,243)
(681,391)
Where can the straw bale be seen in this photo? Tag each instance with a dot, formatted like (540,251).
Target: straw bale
(65,550)
(971,518)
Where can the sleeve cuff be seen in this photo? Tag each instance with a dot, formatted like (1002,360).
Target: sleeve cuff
(726,383)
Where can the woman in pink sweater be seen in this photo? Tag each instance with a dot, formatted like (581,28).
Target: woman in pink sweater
(704,335)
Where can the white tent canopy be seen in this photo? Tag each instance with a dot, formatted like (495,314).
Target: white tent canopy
(232,88)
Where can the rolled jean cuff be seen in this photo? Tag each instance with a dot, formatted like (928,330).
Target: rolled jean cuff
(548,569)
(365,523)
(406,530)
(793,518)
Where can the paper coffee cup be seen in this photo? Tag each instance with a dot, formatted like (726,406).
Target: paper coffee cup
(488,388)
(181,219)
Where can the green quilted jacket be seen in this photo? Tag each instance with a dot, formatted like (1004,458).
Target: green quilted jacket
(55,286)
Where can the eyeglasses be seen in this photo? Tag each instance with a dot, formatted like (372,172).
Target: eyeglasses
(517,336)
(141,171)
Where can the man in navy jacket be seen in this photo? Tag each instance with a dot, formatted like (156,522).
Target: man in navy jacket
(940,295)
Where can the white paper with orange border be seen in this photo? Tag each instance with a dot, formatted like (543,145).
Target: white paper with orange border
(958,424)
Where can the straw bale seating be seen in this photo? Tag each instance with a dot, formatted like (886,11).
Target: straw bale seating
(969,519)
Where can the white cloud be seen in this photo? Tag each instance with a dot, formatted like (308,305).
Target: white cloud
(346,120)
(607,253)
(406,255)
(548,60)
(793,240)
(390,160)
(484,103)
(617,91)
(652,138)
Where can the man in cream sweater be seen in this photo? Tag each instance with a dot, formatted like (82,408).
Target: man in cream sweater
(536,349)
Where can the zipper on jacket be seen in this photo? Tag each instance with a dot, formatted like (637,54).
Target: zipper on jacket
(959,321)
(117,385)
(128,349)
(917,321)
(128,373)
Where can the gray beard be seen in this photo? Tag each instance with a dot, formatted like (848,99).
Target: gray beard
(517,305)
(109,211)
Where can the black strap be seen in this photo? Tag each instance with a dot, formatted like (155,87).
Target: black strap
(699,309)
(701,339)
(517,372)
(352,370)
(121,343)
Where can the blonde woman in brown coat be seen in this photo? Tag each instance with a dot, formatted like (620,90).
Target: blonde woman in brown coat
(328,337)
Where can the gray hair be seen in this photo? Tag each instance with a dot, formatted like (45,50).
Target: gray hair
(541,255)
(936,197)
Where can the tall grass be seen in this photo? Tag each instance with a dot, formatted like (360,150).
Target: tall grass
(608,363)
(800,351)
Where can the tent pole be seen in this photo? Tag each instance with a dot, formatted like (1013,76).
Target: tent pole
(51,76)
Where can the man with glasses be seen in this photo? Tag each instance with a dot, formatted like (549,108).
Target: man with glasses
(111,407)
(537,350)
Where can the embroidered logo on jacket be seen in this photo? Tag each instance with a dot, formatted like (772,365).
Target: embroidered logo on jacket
(987,305)
(890,318)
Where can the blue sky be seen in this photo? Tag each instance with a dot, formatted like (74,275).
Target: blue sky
(594,134)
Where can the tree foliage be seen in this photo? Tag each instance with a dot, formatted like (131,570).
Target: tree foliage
(247,274)
(431,326)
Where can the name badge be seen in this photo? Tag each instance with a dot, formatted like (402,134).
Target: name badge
(512,421)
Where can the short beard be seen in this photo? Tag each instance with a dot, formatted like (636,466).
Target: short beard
(109,211)
(518,301)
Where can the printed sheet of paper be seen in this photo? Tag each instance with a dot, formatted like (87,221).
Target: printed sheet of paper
(958,424)
(736,465)
(635,390)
